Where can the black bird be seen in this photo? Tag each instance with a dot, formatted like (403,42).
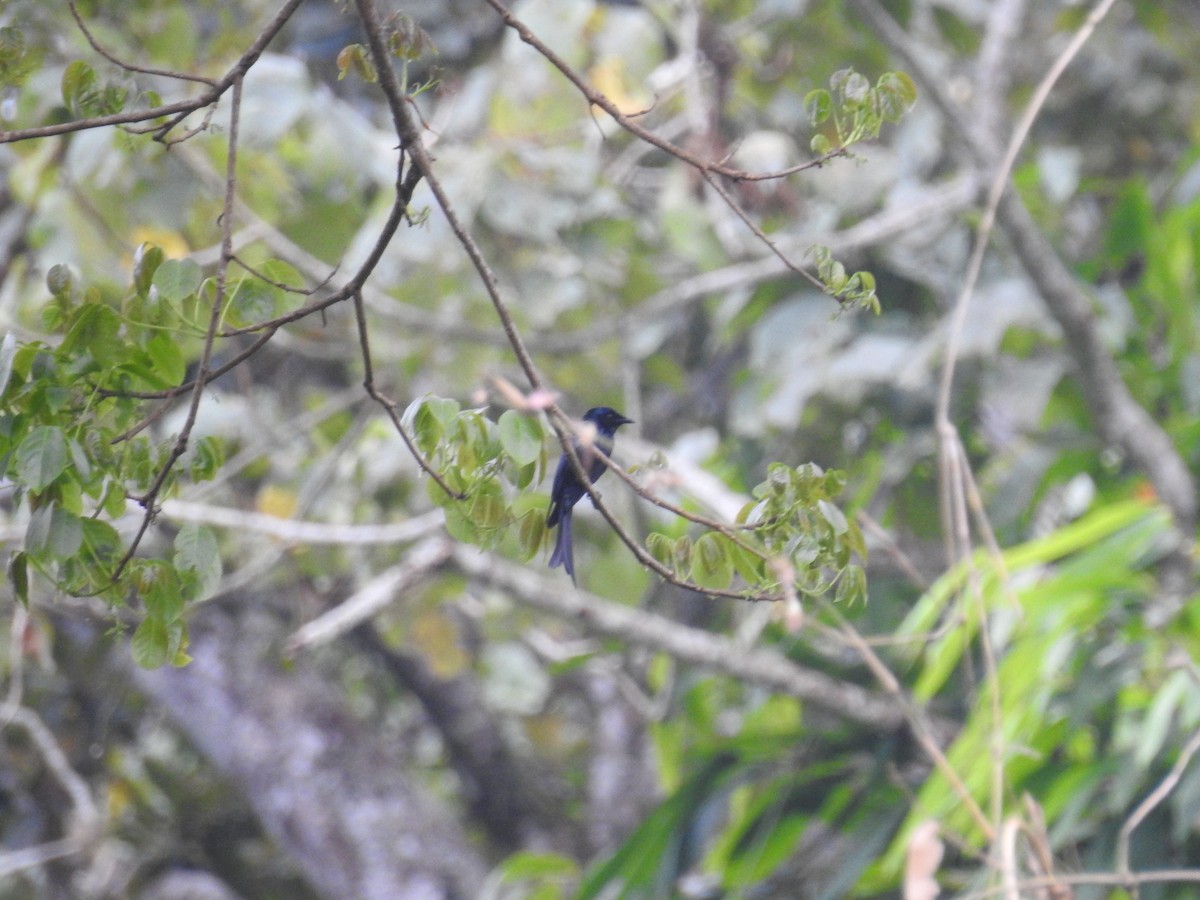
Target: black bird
(567,489)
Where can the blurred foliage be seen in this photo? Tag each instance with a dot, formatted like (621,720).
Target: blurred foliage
(1068,678)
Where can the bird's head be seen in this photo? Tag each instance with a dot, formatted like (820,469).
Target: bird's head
(606,419)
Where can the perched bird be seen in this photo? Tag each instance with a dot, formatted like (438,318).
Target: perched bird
(567,489)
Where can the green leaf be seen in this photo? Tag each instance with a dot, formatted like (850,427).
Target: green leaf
(711,563)
(17,60)
(41,457)
(79,459)
(488,511)
(524,476)
(681,553)
(60,281)
(521,436)
(748,564)
(531,532)
(177,279)
(196,551)
(206,458)
(66,534)
(356,57)
(178,644)
(407,40)
(443,409)
(8,351)
(458,525)
(18,576)
(660,547)
(83,96)
(253,301)
(167,358)
(94,329)
(852,586)
(146,260)
(525,866)
(817,106)
(78,81)
(820,145)
(427,430)
(101,542)
(151,643)
(897,93)
(834,516)
(161,590)
(856,89)
(282,273)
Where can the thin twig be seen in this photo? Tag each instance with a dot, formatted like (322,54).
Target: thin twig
(1151,801)
(918,721)
(596,98)
(177,111)
(411,144)
(299,532)
(133,67)
(389,406)
(149,499)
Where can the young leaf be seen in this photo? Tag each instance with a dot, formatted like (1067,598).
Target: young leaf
(711,562)
(856,89)
(681,553)
(60,281)
(817,106)
(78,81)
(358,58)
(531,532)
(151,643)
(659,546)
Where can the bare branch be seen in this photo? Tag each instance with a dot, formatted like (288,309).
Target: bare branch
(177,111)
(596,98)
(1152,800)
(389,406)
(411,144)
(756,666)
(128,66)
(373,596)
(87,819)
(298,532)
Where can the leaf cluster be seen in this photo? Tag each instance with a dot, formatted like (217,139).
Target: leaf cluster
(856,110)
(75,445)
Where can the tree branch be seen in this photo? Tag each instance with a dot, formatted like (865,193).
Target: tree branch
(756,665)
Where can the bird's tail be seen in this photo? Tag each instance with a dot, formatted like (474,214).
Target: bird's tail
(564,554)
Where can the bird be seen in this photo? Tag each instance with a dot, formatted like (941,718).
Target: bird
(567,489)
